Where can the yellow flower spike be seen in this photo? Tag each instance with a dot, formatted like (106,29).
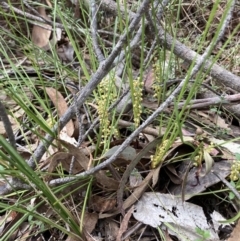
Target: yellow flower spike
(50,122)
(161,150)
(106,97)
(235,171)
(137,99)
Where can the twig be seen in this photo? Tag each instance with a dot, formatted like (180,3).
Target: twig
(13,184)
(228,185)
(36,12)
(137,226)
(148,130)
(33,17)
(150,52)
(80,124)
(94,31)
(233,108)
(160,8)
(77,110)
(223,100)
(11,71)
(111,6)
(116,35)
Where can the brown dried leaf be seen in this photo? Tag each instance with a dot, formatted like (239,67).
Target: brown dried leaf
(55,159)
(149,80)
(139,190)
(150,104)
(106,181)
(40,36)
(90,221)
(100,204)
(65,137)
(47,155)
(14,126)
(211,119)
(220,122)
(61,106)
(135,195)
(111,229)
(208,162)
(80,156)
(2,129)
(124,224)
(155,176)
(194,186)
(10,220)
(202,117)
(173,175)
(65,159)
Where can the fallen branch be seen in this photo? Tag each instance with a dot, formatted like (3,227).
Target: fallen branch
(217,100)
(232,107)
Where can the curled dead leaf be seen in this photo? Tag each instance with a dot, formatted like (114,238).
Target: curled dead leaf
(41,35)
(105,181)
(61,106)
(209,163)
(100,204)
(79,154)
(64,159)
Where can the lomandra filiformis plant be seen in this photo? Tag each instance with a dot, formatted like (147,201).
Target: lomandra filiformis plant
(107,94)
(235,170)
(137,100)
(161,150)
(157,87)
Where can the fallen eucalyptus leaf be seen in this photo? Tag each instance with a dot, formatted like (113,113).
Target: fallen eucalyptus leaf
(195,185)
(182,219)
(127,154)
